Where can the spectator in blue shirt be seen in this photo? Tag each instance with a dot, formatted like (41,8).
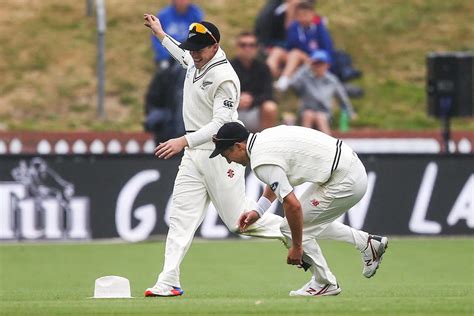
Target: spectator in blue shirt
(175,20)
(305,35)
(308,33)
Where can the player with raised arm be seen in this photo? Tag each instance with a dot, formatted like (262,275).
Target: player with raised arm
(210,98)
(286,156)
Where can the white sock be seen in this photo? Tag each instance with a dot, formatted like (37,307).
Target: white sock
(341,232)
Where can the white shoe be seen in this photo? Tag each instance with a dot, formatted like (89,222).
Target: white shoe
(163,290)
(312,288)
(372,254)
(282,83)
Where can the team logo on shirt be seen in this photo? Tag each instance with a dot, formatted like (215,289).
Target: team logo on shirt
(228,104)
(230,173)
(274,186)
(314,202)
(205,84)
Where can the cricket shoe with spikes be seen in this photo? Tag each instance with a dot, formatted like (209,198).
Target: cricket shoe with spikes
(163,290)
(312,288)
(372,254)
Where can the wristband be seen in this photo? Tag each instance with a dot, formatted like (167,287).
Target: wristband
(263,205)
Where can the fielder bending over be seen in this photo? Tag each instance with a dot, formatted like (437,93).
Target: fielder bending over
(286,156)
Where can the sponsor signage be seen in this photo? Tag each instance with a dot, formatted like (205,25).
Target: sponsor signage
(129,196)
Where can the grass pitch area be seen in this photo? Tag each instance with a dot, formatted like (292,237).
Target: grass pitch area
(417,277)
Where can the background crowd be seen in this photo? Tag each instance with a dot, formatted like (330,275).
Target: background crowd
(290,49)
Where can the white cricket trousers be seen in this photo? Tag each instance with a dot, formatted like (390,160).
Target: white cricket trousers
(322,205)
(201,180)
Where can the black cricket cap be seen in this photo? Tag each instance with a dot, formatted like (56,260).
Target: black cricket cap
(201,34)
(227,136)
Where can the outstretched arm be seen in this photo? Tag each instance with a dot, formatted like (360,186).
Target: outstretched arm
(180,55)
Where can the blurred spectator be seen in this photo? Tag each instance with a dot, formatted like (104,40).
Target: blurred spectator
(344,70)
(271,27)
(163,100)
(257,109)
(271,23)
(163,104)
(317,87)
(305,35)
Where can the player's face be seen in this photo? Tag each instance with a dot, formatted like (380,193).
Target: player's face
(237,154)
(203,56)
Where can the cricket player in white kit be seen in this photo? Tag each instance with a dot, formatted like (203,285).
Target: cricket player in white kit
(210,99)
(286,156)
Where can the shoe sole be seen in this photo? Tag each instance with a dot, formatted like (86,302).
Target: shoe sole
(149,293)
(382,248)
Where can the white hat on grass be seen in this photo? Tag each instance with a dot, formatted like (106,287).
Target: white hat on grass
(112,286)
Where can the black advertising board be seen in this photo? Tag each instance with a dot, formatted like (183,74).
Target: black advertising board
(129,196)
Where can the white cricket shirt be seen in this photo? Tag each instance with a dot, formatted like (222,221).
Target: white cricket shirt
(304,155)
(210,96)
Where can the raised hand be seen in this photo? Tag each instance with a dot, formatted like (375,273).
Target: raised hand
(154,24)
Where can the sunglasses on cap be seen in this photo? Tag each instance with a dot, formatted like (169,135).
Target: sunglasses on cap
(199,28)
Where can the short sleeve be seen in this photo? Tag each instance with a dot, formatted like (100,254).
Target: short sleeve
(276,178)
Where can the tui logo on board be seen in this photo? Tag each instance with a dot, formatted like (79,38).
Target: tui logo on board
(40,204)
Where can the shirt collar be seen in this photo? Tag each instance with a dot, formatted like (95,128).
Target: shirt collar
(250,142)
(220,55)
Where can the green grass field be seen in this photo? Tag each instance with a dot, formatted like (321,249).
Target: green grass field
(417,277)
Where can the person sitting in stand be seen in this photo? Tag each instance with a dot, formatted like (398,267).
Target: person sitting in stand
(270,28)
(305,35)
(317,87)
(257,109)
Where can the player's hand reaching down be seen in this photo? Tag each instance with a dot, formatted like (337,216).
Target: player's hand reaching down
(171,147)
(247,219)
(295,255)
